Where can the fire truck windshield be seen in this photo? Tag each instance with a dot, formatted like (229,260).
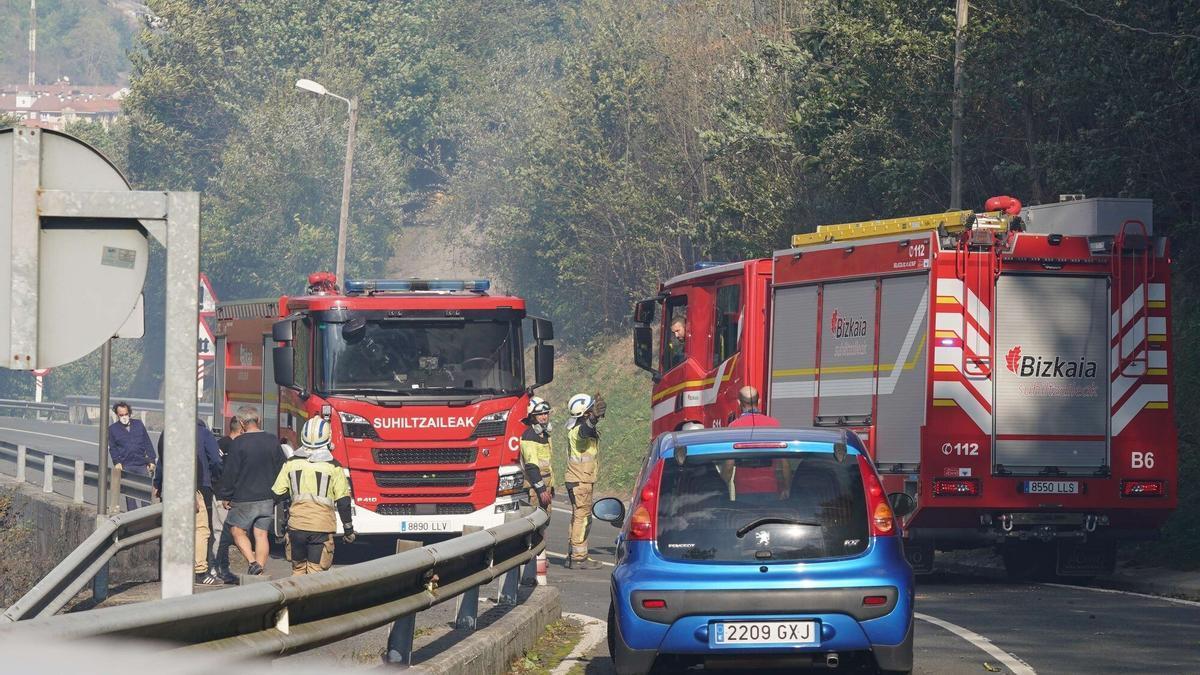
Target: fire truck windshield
(406,358)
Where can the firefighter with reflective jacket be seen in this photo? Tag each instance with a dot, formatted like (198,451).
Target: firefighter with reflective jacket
(583,445)
(317,488)
(536,451)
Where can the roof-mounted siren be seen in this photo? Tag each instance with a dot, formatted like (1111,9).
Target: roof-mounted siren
(377,286)
(322,283)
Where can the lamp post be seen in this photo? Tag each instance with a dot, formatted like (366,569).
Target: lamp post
(348,170)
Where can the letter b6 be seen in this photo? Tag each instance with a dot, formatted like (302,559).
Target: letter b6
(1141,460)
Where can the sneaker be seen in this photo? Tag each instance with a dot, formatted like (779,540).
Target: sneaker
(227,577)
(209,578)
(254,570)
(585,564)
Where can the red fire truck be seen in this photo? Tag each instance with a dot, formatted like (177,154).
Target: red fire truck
(1008,370)
(423,381)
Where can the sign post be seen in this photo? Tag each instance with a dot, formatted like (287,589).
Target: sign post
(73,258)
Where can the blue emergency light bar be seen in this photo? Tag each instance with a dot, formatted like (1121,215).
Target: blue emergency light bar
(370,286)
(708,264)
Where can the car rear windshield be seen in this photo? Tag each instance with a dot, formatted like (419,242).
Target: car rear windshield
(799,506)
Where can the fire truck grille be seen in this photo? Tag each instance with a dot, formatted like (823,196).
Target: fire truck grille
(425,509)
(424,479)
(489,429)
(424,455)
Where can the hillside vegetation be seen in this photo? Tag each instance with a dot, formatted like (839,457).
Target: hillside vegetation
(607,368)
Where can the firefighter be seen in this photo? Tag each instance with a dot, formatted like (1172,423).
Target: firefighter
(583,446)
(317,487)
(536,451)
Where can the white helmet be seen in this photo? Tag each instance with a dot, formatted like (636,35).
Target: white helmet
(316,433)
(537,406)
(579,404)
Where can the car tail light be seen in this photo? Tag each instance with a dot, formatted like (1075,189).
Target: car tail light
(874,600)
(643,524)
(654,603)
(955,487)
(760,445)
(883,521)
(1143,488)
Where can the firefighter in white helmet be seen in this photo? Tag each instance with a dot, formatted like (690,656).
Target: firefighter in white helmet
(317,488)
(536,452)
(583,446)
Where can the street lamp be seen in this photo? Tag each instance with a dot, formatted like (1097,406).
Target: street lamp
(352,102)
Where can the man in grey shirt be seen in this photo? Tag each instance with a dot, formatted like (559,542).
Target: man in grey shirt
(250,468)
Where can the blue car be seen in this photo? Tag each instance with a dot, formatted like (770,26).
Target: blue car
(759,547)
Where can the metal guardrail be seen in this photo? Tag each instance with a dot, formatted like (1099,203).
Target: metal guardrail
(113,535)
(80,472)
(79,407)
(298,613)
(49,410)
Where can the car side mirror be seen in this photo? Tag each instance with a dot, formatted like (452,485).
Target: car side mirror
(610,510)
(902,503)
(543,364)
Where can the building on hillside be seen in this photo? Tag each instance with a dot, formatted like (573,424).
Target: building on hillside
(53,106)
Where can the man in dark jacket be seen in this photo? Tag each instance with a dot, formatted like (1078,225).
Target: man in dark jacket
(250,469)
(208,470)
(129,447)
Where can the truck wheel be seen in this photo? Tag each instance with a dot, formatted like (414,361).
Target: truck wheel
(1028,561)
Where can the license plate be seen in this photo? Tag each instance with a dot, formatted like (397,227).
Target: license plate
(765,633)
(1051,487)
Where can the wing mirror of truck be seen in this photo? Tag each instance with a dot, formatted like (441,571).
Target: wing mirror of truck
(281,331)
(610,510)
(281,359)
(643,348)
(543,364)
(902,503)
(643,312)
(543,329)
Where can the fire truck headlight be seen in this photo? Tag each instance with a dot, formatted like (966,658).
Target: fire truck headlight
(356,426)
(510,484)
(501,416)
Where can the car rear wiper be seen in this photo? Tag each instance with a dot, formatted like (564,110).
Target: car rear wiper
(754,524)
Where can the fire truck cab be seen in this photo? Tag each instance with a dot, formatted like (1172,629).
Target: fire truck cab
(1007,370)
(423,382)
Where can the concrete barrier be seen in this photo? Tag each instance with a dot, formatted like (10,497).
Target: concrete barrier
(43,528)
(492,649)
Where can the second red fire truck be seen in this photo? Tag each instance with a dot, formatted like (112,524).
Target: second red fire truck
(423,381)
(1008,370)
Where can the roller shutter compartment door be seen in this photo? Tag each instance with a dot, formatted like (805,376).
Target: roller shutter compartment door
(793,355)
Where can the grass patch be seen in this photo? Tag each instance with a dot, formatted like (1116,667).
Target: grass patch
(607,368)
(18,570)
(550,649)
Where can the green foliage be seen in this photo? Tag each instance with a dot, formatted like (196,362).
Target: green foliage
(604,367)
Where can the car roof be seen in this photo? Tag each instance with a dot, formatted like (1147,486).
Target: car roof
(666,443)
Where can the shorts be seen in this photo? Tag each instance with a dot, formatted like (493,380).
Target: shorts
(246,515)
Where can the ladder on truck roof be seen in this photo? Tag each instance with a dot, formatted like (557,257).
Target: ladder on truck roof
(952,222)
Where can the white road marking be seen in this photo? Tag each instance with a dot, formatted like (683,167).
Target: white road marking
(552,554)
(594,631)
(1010,661)
(1178,601)
(566,511)
(38,433)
